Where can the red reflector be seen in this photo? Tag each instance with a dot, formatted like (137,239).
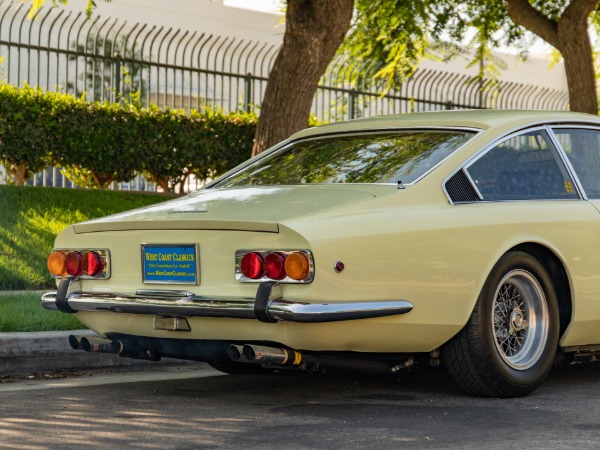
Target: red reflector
(73,264)
(92,264)
(274,266)
(252,266)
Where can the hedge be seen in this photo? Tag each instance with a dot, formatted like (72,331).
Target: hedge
(98,143)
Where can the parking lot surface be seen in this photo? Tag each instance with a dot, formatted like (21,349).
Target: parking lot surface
(197,407)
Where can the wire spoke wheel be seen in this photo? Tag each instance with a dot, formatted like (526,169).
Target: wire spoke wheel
(508,345)
(520,319)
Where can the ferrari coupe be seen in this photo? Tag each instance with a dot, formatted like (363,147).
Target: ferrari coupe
(468,239)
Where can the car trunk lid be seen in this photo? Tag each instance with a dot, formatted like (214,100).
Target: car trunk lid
(248,209)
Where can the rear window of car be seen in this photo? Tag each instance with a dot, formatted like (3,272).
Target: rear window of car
(399,157)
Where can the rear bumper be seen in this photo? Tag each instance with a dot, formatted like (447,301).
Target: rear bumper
(268,306)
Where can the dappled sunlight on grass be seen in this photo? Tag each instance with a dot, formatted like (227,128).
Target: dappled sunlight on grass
(33,216)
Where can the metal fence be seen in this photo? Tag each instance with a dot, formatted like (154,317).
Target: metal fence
(108,59)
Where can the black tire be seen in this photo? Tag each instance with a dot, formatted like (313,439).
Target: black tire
(235,368)
(504,352)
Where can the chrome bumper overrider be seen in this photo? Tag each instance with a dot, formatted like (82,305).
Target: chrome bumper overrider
(268,306)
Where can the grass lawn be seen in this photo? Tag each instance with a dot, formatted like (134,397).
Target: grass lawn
(22,312)
(31,217)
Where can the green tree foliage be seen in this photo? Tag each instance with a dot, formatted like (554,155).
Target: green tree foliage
(393,33)
(396,33)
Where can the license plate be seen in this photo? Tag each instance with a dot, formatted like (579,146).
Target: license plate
(170,264)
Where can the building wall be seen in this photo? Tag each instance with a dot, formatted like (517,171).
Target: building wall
(207,16)
(220,18)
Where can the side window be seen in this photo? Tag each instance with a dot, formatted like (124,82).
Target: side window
(524,167)
(583,150)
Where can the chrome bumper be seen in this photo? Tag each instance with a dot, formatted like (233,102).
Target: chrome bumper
(268,306)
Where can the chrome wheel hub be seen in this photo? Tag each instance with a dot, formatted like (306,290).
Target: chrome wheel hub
(520,319)
(517,320)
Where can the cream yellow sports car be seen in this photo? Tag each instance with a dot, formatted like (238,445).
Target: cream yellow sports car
(464,238)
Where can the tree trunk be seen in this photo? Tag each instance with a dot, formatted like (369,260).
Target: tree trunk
(314,30)
(19,174)
(570,36)
(576,50)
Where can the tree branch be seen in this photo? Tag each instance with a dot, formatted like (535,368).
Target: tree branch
(522,13)
(579,10)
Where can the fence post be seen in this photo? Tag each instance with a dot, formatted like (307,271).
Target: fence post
(117,85)
(247,91)
(352,104)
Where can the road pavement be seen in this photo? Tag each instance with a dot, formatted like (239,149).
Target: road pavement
(191,408)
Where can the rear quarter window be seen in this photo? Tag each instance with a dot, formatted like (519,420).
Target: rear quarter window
(523,167)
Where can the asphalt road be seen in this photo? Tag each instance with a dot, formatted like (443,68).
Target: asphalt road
(199,408)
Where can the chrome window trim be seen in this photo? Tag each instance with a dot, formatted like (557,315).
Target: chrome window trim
(567,162)
(580,126)
(509,135)
(476,132)
(469,179)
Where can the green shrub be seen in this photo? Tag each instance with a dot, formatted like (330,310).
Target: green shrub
(98,143)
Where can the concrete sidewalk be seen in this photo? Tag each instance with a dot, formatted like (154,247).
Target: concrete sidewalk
(27,353)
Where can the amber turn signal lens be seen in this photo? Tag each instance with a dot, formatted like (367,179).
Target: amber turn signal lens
(296,266)
(57,264)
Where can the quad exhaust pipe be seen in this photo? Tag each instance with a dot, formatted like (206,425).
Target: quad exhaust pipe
(111,346)
(289,358)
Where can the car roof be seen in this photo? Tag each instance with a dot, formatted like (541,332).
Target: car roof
(482,119)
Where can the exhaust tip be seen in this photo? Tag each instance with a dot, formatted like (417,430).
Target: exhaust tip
(234,352)
(74,342)
(249,352)
(85,344)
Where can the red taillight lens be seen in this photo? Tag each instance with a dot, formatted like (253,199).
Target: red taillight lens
(73,263)
(252,266)
(274,266)
(92,263)
(57,264)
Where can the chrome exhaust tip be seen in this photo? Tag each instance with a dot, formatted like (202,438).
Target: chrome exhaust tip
(271,355)
(75,342)
(235,353)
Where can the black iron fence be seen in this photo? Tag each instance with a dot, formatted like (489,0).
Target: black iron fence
(108,59)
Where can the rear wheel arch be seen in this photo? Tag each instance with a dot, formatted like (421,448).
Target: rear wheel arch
(558,274)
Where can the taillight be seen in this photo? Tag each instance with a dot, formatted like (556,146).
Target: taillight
(286,266)
(252,265)
(82,263)
(297,266)
(57,264)
(92,264)
(73,263)
(274,266)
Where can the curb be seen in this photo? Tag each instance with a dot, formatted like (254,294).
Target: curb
(47,351)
